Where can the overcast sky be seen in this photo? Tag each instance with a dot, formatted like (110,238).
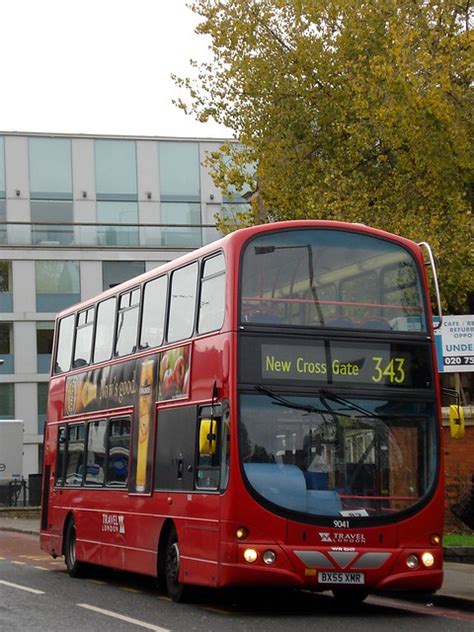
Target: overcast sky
(98,67)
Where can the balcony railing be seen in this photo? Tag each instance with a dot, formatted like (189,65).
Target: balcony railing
(90,235)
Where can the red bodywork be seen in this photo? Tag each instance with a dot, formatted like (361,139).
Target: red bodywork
(206,522)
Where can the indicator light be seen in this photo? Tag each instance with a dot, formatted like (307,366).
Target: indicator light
(427,559)
(435,539)
(241,533)
(250,555)
(412,561)
(269,557)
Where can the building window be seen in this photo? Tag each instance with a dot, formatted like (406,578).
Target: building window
(118,223)
(184,213)
(6,296)
(115,272)
(7,401)
(3,219)
(2,168)
(51,222)
(44,345)
(6,347)
(179,172)
(57,285)
(50,169)
(42,405)
(116,170)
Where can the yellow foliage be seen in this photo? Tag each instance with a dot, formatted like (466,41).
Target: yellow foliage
(358,111)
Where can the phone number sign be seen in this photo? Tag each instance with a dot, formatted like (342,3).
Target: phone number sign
(455,344)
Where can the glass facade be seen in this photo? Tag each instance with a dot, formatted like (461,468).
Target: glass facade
(179,172)
(181,213)
(50,169)
(116,170)
(57,285)
(122,220)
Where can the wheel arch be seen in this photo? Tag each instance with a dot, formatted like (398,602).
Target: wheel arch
(167,526)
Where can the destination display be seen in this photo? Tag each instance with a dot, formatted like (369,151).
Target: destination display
(378,364)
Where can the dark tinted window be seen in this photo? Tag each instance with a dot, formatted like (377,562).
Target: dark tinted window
(75,455)
(118,452)
(95,453)
(61,452)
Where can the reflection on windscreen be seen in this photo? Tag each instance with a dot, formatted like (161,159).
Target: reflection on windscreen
(362,458)
(330,278)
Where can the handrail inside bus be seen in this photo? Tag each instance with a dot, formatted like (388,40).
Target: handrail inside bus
(431,262)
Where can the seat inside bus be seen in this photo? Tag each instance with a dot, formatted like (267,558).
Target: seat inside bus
(285,485)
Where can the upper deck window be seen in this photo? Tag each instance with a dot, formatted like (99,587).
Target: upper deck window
(331,278)
(182,303)
(212,303)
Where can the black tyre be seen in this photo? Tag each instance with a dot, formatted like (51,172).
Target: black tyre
(74,568)
(176,590)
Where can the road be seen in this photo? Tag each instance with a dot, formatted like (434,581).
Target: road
(37,594)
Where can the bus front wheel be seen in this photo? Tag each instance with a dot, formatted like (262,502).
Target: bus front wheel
(176,590)
(74,568)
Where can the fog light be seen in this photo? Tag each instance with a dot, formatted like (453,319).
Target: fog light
(435,539)
(241,533)
(427,559)
(269,557)
(250,555)
(412,561)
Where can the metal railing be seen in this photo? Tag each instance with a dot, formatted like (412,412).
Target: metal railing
(102,235)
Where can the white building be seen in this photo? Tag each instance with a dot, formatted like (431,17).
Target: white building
(77,215)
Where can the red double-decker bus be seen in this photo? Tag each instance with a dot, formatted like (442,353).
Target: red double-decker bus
(262,411)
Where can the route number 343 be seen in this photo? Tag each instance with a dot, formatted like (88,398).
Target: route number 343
(392,371)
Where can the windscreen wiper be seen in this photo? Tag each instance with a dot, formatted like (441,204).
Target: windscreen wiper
(325,394)
(282,401)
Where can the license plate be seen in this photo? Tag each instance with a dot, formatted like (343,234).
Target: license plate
(336,577)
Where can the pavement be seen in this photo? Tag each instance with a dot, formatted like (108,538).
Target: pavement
(458,582)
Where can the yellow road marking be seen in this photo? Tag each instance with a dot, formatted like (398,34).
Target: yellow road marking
(41,568)
(132,590)
(97,581)
(17,562)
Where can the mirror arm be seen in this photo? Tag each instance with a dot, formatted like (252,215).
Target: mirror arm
(431,262)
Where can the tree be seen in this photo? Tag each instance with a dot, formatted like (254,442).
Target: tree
(359,111)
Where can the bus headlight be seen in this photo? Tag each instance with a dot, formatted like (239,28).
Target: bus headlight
(269,557)
(412,561)
(250,555)
(427,559)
